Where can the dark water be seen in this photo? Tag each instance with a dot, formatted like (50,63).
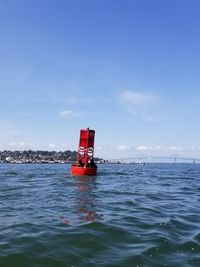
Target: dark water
(129,215)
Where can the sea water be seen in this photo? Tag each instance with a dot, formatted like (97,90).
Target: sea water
(128,215)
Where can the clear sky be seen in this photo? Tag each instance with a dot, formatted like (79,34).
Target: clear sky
(130,69)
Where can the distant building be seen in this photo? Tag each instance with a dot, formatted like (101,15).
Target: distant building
(8,159)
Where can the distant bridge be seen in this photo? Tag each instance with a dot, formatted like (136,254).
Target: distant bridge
(174,158)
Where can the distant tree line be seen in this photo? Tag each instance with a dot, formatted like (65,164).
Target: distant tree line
(38,156)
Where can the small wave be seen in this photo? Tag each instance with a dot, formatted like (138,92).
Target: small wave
(189,246)
(11,173)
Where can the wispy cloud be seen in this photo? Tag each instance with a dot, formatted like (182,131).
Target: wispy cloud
(135,98)
(51,146)
(68,113)
(123,147)
(175,148)
(135,101)
(159,148)
(21,145)
(194,148)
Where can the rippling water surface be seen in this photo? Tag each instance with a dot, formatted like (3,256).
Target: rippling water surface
(128,215)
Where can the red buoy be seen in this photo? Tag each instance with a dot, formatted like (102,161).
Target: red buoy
(85,164)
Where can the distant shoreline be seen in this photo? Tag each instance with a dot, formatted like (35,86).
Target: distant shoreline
(39,156)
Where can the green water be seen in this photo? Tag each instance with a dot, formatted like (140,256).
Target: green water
(128,215)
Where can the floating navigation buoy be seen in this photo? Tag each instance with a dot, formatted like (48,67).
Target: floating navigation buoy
(85,164)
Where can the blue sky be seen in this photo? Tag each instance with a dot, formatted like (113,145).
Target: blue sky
(128,69)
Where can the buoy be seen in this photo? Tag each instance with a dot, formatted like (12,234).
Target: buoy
(85,164)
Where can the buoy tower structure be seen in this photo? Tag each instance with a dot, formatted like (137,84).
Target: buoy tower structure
(85,164)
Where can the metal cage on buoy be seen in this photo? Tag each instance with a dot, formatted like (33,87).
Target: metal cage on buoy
(85,164)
